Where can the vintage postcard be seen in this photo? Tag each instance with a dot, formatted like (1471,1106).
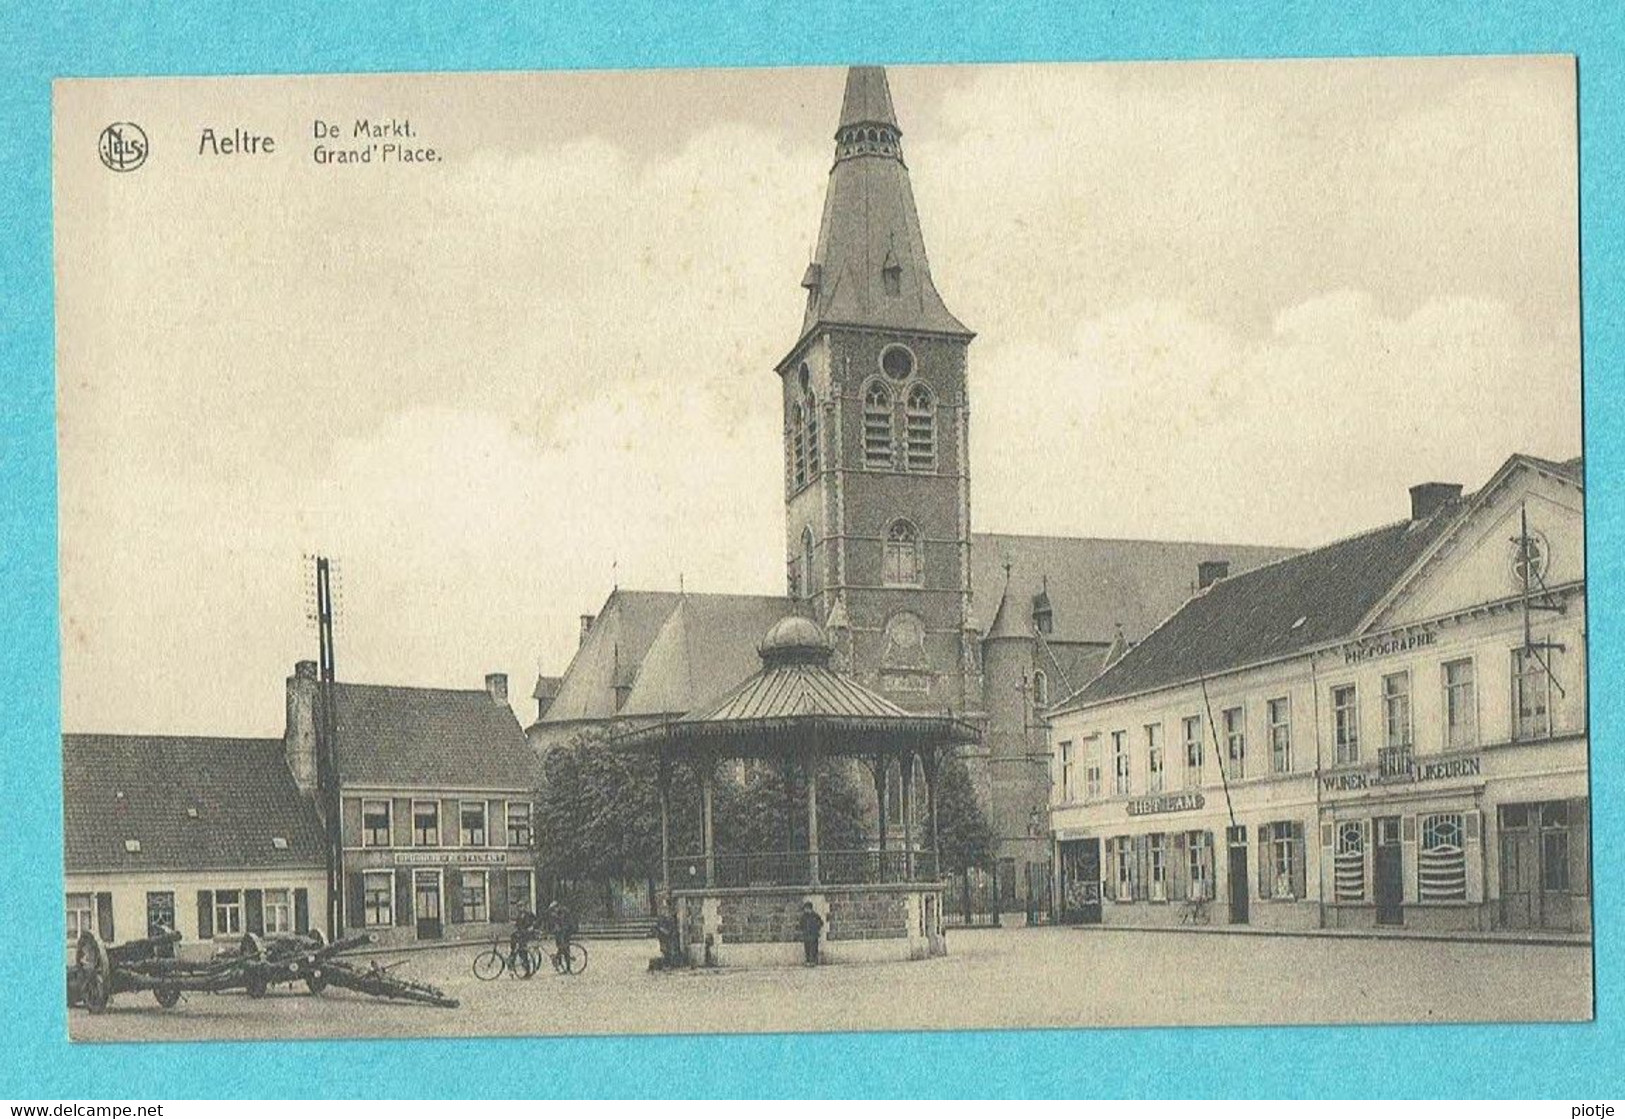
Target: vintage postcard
(828,549)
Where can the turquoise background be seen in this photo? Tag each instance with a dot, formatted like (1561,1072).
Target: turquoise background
(220,37)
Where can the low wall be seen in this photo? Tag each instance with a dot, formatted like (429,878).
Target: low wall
(760,926)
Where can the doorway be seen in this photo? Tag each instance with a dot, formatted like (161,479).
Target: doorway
(426,889)
(1238,875)
(1080,881)
(1388,870)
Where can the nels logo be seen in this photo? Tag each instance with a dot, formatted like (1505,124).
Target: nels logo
(122,146)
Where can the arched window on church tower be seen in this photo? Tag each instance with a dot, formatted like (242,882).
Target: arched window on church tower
(901,565)
(877,427)
(798,446)
(813,457)
(922,430)
(1040,689)
(809,584)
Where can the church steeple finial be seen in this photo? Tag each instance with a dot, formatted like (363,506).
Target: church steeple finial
(868,99)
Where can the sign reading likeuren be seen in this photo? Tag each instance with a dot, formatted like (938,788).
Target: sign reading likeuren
(1421,772)
(1174,802)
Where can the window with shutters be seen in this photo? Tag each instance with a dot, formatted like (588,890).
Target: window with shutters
(1554,846)
(1066,773)
(471,828)
(1091,770)
(1157,846)
(1199,865)
(426,823)
(1123,868)
(1460,705)
(920,414)
(228,913)
(378,898)
(1153,758)
(1120,763)
(375,823)
(1396,711)
(1348,861)
(278,911)
(81,915)
(1191,727)
(476,901)
(519,823)
(877,427)
(1531,695)
(160,910)
(1441,871)
(1346,724)
(1280,718)
(1283,843)
(901,567)
(521,897)
(1235,743)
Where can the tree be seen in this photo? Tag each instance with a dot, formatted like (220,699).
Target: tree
(963,833)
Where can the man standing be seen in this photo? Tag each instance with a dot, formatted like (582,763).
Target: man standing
(811,925)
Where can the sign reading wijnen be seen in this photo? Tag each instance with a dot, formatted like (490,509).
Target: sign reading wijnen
(1174,802)
(1386,646)
(447,858)
(1424,771)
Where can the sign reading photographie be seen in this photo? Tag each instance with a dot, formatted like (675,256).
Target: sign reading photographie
(1386,646)
(1173,802)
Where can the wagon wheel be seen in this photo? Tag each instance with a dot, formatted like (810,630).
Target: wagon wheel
(95,972)
(316,981)
(167,996)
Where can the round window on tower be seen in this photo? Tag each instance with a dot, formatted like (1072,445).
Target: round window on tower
(897,362)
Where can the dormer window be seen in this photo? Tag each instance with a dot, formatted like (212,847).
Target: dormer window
(891,277)
(132,846)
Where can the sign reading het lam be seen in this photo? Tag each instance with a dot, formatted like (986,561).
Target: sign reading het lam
(1174,802)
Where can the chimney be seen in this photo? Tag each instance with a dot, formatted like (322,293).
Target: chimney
(586,626)
(496,683)
(1429,497)
(1209,572)
(299,736)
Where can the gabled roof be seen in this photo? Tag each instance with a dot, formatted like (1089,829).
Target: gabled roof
(1092,585)
(1302,602)
(431,738)
(546,687)
(190,804)
(670,652)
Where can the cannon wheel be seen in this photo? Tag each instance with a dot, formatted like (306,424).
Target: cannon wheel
(167,996)
(95,972)
(253,948)
(316,981)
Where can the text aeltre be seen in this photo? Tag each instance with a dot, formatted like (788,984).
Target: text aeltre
(235,142)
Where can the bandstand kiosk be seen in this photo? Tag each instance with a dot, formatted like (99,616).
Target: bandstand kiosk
(743,908)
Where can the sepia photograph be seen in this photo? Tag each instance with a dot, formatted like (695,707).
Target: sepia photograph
(865,548)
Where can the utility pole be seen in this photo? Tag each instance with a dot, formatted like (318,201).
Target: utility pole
(327,769)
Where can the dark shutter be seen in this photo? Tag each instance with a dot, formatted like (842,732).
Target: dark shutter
(403,897)
(451,823)
(400,819)
(104,916)
(1580,847)
(205,914)
(1266,832)
(452,905)
(497,901)
(352,829)
(356,918)
(1178,872)
(1142,867)
(301,910)
(254,911)
(1300,864)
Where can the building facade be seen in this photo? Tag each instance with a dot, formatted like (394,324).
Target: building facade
(206,836)
(434,789)
(1387,731)
(878,545)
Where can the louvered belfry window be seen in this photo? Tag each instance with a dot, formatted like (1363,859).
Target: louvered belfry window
(922,430)
(810,405)
(798,447)
(877,427)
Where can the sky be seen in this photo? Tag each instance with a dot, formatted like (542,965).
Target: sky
(1233,302)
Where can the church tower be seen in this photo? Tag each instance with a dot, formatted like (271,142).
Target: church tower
(877,493)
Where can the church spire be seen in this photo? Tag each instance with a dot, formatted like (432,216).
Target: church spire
(870,267)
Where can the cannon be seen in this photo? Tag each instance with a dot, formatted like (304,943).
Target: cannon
(100,971)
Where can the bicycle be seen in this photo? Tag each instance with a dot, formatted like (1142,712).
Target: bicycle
(492,962)
(572,961)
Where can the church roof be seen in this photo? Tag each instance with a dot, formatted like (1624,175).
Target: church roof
(668,652)
(1091,585)
(870,227)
